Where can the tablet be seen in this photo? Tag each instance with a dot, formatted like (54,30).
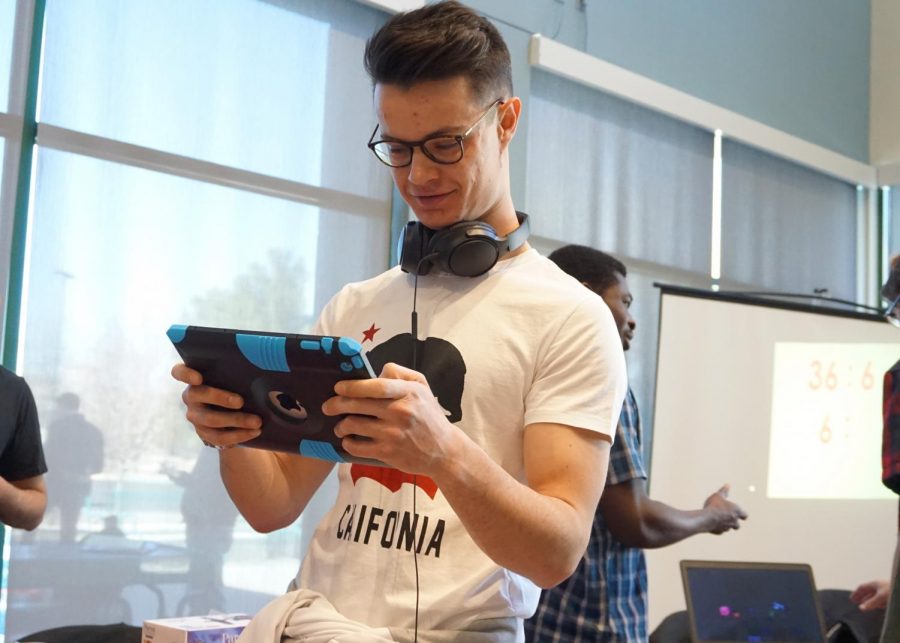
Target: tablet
(283,378)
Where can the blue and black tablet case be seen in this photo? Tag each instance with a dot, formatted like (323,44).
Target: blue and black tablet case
(283,378)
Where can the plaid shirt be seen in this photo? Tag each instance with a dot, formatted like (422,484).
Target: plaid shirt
(890,441)
(606,598)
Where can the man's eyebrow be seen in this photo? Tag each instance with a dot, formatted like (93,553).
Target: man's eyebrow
(443,131)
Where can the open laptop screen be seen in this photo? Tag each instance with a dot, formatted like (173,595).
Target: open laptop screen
(730,601)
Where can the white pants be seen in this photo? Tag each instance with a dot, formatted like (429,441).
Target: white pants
(308,617)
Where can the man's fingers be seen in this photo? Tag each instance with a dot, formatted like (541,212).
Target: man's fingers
(194,395)
(225,437)
(384,387)
(185,374)
(355,425)
(862,594)
(205,416)
(397,372)
(868,604)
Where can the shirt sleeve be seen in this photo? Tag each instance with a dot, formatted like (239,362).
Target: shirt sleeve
(890,460)
(581,381)
(24,455)
(626,459)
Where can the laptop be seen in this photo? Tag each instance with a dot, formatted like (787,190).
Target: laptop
(735,601)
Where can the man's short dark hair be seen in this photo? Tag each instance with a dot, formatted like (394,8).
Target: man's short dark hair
(439,42)
(589,265)
(891,287)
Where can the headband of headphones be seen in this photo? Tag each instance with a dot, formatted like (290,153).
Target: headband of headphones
(466,249)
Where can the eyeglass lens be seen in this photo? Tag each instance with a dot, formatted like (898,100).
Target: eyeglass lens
(443,149)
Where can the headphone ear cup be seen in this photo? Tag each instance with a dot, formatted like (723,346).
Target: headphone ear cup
(413,246)
(465,249)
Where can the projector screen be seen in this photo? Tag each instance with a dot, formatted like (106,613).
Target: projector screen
(782,401)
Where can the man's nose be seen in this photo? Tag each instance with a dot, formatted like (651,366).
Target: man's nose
(421,168)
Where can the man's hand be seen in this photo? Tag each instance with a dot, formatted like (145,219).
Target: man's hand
(727,515)
(538,528)
(215,413)
(872,595)
(394,418)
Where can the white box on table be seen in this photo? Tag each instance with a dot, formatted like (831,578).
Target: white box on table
(218,628)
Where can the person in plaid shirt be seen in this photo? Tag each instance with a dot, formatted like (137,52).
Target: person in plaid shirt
(606,598)
(890,458)
(881,594)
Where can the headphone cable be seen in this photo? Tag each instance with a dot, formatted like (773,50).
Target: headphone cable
(414,331)
(414,316)
(416,565)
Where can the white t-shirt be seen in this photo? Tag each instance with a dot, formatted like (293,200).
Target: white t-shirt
(523,344)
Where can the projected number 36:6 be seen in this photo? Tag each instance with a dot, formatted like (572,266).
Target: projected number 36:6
(830,375)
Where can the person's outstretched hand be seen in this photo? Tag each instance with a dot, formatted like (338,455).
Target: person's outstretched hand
(728,515)
(872,595)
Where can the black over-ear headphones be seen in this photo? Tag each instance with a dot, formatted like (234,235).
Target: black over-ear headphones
(465,249)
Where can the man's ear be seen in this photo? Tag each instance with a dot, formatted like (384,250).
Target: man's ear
(508,119)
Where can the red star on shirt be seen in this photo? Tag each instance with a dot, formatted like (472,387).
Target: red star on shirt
(369,335)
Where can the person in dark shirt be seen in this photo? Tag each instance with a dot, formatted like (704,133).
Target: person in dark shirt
(23,494)
(209,518)
(75,452)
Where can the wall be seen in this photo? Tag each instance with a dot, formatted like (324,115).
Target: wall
(885,95)
(800,66)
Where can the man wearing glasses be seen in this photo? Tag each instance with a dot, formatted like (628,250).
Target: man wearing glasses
(486,497)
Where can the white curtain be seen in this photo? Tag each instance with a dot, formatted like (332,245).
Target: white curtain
(613,175)
(609,174)
(786,228)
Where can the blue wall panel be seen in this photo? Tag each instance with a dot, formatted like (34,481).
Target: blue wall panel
(800,66)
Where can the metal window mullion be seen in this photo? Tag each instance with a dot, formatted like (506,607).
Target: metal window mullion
(867,241)
(887,224)
(105,149)
(13,311)
(715,253)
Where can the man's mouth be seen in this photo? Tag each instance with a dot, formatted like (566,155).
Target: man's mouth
(430,199)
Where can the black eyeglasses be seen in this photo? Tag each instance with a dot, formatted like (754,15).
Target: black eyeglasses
(443,148)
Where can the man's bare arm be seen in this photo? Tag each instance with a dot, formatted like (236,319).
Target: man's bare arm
(541,529)
(22,503)
(639,521)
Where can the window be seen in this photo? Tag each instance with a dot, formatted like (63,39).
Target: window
(119,252)
(227,81)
